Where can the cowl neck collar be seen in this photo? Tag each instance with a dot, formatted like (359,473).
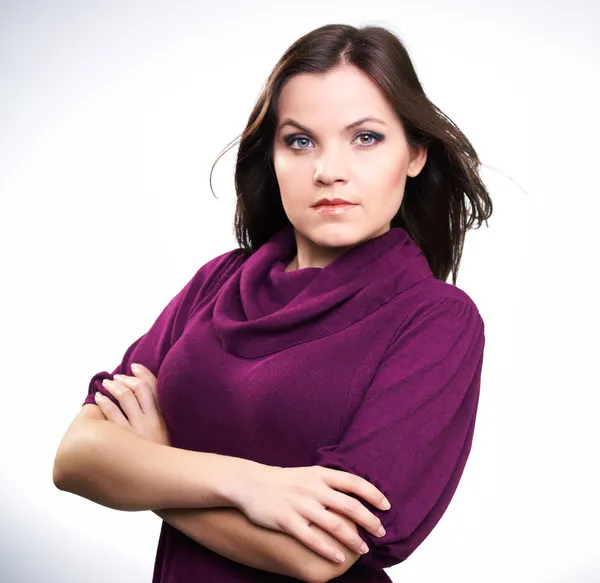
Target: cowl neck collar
(262,308)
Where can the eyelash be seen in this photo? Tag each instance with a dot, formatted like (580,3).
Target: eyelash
(289,140)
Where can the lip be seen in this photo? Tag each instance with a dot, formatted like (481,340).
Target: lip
(332,202)
(334,209)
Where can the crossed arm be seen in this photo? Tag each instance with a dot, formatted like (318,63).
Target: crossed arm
(229,533)
(102,452)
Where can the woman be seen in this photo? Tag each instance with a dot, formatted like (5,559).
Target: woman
(326,363)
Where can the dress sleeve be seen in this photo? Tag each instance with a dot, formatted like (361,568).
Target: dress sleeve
(151,348)
(412,433)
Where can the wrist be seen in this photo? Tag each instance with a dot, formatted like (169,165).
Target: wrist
(235,478)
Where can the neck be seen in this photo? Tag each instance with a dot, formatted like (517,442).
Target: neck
(293,265)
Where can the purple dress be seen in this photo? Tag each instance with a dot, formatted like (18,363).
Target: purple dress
(369,365)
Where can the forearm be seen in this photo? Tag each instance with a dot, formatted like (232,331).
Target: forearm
(229,533)
(115,467)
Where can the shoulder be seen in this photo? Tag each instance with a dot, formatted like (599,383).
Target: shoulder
(438,308)
(221,266)
(216,271)
(434,294)
(211,276)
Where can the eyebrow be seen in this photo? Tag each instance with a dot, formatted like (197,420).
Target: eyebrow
(291,122)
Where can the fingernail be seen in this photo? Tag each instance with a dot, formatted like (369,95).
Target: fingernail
(364,549)
(135,367)
(381,531)
(99,396)
(340,558)
(385,504)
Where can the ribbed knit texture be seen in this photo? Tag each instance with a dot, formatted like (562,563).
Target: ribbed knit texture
(369,365)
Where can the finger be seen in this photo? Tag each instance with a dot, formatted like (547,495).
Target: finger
(338,526)
(347,482)
(142,392)
(126,398)
(145,374)
(352,508)
(301,531)
(97,396)
(141,372)
(110,411)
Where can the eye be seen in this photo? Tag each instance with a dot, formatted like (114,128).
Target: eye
(302,139)
(375,136)
(289,140)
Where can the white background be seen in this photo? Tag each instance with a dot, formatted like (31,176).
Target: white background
(111,115)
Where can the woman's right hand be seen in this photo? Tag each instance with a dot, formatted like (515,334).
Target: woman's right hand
(290,499)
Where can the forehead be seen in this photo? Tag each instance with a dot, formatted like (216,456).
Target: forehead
(336,96)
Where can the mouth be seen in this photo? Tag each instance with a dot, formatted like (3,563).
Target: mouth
(336,208)
(331,202)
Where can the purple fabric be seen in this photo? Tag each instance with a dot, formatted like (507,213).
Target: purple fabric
(369,365)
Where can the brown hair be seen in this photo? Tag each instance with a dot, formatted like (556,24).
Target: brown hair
(434,209)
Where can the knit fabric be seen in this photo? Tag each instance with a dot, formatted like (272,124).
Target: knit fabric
(369,365)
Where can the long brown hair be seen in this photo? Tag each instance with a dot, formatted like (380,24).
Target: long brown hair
(433,210)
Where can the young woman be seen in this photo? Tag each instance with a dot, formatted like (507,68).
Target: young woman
(296,381)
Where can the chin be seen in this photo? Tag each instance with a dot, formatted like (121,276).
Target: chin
(332,235)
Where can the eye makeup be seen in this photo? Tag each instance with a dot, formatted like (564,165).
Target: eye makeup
(290,139)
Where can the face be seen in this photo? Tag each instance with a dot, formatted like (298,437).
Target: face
(320,151)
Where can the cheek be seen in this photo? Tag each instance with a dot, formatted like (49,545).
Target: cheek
(284,168)
(292,176)
(392,175)
(396,176)
(385,174)
(386,183)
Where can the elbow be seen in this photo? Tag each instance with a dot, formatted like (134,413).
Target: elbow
(311,576)
(62,471)
(314,577)
(319,576)
(68,459)
(58,475)
(76,472)
(322,571)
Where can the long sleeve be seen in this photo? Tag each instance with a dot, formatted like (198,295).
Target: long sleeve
(151,348)
(412,433)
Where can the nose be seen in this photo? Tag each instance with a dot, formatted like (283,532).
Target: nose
(331,167)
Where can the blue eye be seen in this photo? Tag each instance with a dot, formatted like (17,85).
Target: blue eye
(289,141)
(292,139)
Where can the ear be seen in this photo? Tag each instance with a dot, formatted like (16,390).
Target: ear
(417,161)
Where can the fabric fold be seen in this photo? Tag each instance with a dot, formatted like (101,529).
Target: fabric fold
(262,308)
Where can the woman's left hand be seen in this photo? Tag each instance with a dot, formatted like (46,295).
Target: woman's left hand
(137,397)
